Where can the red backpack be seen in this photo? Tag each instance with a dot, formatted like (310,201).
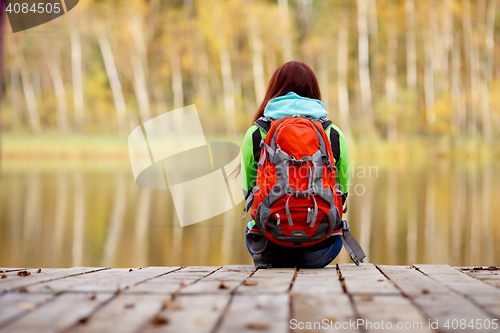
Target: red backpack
(296,202)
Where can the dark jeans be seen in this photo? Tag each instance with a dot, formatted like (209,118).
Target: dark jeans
(316,256)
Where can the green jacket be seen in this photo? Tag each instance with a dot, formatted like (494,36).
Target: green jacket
(277,108)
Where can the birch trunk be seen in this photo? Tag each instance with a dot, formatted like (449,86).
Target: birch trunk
(342,67)
(62,103)
(114,81)
(456,86)
(323,78)
(470,61)
(286,43)
(430,116)
(390,81)
(15,83)
(488,69)
(411,48)
(447,39)
(139,67)
(363,58)
(29,95)
(226,71)
(76,66)
(177,89)
(257,60)
(203,77)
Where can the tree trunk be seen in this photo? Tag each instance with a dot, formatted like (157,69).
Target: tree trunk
(286,43)
(76,65)
(430,116)
(411,47)
(488,69)
(114,81)
(29,94)
(177,88)
(62,102)
(471,68)
(226,71)
(257,60)
(342,68)
(391,78)
(456,86)
(323,77)
(447,39)
(363,58)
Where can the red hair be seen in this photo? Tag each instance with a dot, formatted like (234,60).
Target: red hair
(293,76)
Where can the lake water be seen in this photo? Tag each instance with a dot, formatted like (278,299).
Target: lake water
(94,214)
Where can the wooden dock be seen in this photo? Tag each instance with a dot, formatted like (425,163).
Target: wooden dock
(346,298)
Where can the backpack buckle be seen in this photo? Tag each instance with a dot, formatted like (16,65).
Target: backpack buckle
(294,162)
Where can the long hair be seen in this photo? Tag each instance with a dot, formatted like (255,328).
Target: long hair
(293,76)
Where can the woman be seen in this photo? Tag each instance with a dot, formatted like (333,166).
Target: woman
(293,90)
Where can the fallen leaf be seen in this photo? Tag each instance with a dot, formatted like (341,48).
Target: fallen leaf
(381,280)
(130,270)
(26,306)
(39,270)
(182,285)
(425,291)
(223,286)
(250,283)
(159,320)
(4,276)
(23,273)
(168,304)
(22,290)
(92,298)
(129,306)
(333,320)
(257,326)
(366,298)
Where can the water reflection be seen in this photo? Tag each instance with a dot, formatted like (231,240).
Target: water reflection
(443,214)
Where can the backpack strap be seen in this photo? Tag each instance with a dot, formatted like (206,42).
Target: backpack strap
(325,122)
(264,123)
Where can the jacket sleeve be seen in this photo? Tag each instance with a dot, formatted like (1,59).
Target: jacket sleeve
(343,162)
(248,163)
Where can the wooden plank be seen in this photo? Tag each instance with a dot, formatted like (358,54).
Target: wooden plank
(448,308)
(326,312)
(109,280)
(190,313)
(173,282)
(411,281)
(15,305)
(223,281)
(13,281)
(317,281)
(485,274)
(253,313)
(366,279)
(10,269)
(475,290)
(270,280)
(389,313)
(125,313)
(62,313)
